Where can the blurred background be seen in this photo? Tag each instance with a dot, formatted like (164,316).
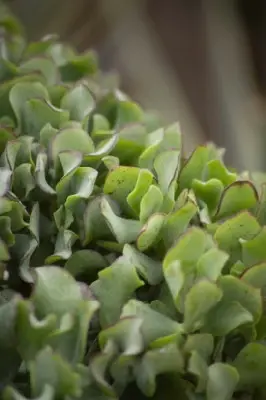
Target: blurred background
(199,62)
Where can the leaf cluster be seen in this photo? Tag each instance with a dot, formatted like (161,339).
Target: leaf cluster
(127,270)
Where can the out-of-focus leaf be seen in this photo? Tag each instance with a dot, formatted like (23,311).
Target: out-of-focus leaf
(222,381)
(155,362)
(24,91)
(156,327)
(42,64)
(12,394)
(86,263)
(79,102)
(49,368)
(79,66)
(253,250)
(56,292)
(250,364)
(32,334)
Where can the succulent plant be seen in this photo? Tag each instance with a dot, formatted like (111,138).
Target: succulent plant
(127,269)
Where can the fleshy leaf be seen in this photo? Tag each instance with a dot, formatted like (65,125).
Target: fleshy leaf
(222,381)
(70,339)
(209,192)
(217,170)
(149,269)
(63,246)
(23,181)
(226,317)
(5,176)
(125,334)
(155,362)
(32,333)
(167,174)
(120,280)
(95,224)
(99,367)
(150,233)
(198,367)
(23,91)
(194,167)
(46,394)
(128,112)
(254,250)
(40,174)
(236,290)
(71,139)
(177,222)
(143,183)
(38,112)
(188,248)
(241,195)
(49,368)
(79,102)
(86,263)
(250,364)
(124,230)
(6,233)
(202,343)
(197,306)
(155,326)
(44,65)
(47,133)
(151,203)
(255,276)
(79,66)
(6,134)
(56,292)
(227,235)
(81,186)
(175,279)
(119,184)
(69,161)
(10,153)
(211,264)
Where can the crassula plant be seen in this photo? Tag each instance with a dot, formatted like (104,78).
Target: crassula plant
(128,271)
